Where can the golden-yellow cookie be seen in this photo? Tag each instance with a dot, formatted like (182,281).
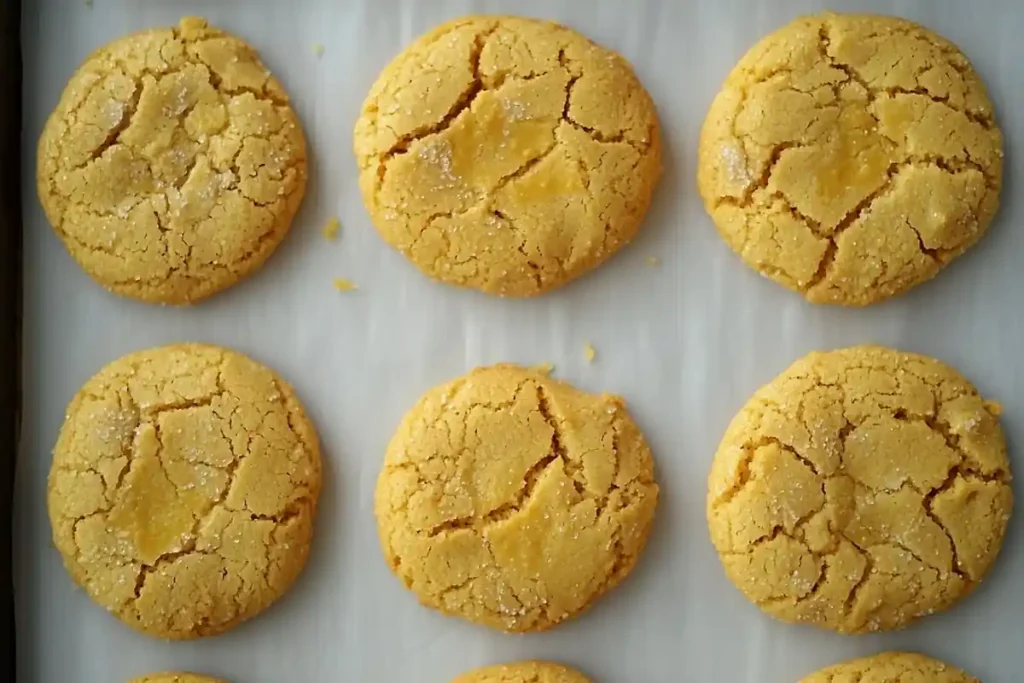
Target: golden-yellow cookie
(183,489)
(859,490)
(523,672)
(514,500)
(891,667)
(173,163)
(176,678)
(508,155)
(850,157)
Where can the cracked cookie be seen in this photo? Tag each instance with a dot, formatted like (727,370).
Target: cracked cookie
(183,489)
(173,164)
(523,672)
(514,500)
(507,155)
(851,157)
(861,489)
(176,678)
(891,667)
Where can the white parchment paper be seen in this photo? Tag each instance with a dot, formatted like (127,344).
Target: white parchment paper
(685,343)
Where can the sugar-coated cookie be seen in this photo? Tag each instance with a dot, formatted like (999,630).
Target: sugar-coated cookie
(891,667)
(507,155)
(851,157)
(860,490)
(173,163)
(514,500)
(523,672)
(176,678)
(183,489)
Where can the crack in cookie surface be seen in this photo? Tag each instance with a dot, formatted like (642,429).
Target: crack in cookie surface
(851,157)
(173,163)
(183,489)
(860,490)
(518,119)
(514,500)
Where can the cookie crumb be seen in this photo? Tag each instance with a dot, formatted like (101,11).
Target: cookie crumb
(343,285)
(318,50)
(544,368)
(994,408)
(588,352)
(653,261)
(88,3)
(332,228)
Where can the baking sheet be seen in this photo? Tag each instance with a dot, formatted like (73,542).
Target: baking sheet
(685,343)
(10,305)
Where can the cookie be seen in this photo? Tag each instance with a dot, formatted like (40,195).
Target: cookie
(176,678)
(859,490)
(851,157)
(507,155)
(514,500)
(523,672)
(891,667)
(183,489)
(173,163)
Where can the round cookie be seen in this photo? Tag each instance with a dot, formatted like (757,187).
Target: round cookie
(859,490)
(183,489)
(851,157)
(507,155)
(514,500)
(173,163)
(891,667)
(176,678)
(523,672)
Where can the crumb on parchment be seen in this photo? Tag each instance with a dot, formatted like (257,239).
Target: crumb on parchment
(318,49)
(332,228)
(344,285)
(653,261)
(588,352)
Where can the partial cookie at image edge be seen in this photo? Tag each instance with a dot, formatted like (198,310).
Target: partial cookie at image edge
(892,667)
(523,672)
(176,677)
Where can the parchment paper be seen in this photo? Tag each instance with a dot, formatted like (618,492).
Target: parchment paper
(685,342)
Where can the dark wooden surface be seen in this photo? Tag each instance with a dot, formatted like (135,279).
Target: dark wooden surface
(10,307)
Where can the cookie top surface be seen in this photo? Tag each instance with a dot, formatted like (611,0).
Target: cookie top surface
(183,489)
(851,157)
(176,678)
(173,163)
(514,500)
(859,490)
(891,667)
(523,672)
(507,155)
